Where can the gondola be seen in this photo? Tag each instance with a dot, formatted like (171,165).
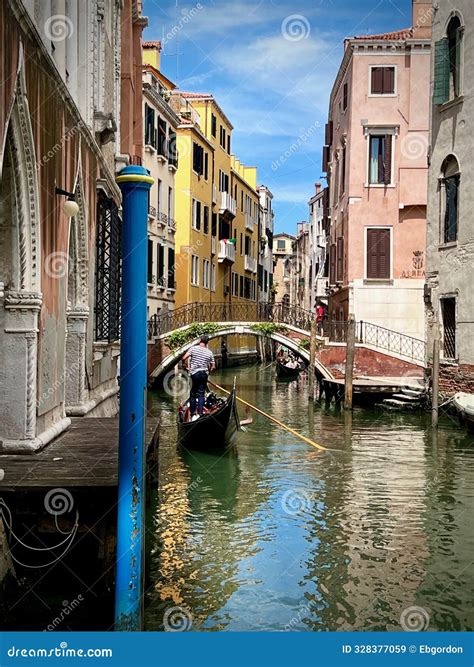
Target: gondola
(285,373)
(212,431)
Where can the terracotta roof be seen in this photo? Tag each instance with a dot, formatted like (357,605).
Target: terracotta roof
(196,95)
(152,44)
(406,33)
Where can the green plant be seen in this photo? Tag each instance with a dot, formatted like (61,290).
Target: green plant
(179,338)
(268,328)
(304,343)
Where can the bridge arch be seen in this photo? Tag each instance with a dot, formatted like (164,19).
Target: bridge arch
(171,358)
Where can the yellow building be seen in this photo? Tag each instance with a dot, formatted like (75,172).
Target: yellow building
(216,210)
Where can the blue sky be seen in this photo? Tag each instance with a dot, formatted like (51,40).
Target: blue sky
(270,64)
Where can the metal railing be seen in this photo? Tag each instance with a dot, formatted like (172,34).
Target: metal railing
(280,313)
(380,337)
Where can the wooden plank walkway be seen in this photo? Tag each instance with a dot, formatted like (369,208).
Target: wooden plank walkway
(379,385)
(86,455)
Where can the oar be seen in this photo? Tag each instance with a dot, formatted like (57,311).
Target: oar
(265,414)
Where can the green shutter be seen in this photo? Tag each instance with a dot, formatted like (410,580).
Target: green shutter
(441,72)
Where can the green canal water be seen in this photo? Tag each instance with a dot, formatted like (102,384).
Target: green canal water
(277,536)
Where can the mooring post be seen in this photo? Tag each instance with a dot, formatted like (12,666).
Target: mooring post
(135,183)
(312,358)
(350,354)
(435,384)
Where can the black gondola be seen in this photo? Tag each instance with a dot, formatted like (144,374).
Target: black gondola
(285,373)
(210,432)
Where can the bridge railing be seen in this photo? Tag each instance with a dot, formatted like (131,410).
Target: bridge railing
(379,337)
(228,312)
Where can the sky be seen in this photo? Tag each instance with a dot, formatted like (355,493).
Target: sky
(270,65)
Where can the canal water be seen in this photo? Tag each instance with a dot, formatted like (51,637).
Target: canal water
(374,534)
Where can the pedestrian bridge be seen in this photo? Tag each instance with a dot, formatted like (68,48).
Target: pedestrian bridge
(172,333)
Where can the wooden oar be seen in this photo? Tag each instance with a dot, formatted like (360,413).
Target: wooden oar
(265,414)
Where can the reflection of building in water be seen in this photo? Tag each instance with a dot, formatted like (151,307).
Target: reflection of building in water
(372,560)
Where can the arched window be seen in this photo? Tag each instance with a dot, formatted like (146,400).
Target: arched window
(450,179)
(453,34)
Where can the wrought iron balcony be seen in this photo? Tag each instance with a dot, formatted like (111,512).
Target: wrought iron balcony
(228,205)
(226,252)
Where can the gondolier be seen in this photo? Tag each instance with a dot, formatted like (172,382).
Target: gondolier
(200,362)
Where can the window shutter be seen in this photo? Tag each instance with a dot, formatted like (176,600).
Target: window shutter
(161,263)
(328,133)
(457,63)
(150,261)
(171,268)
(378,254)
(340,259)
(377,81)
(325,158)
(388,159)
(332,264)
(380,160)
(344,96)
(388,83)
(441,71)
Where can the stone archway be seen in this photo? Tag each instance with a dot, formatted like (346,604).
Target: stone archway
(20,296)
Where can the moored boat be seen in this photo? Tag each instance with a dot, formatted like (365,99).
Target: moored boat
(464,404)
(214,429)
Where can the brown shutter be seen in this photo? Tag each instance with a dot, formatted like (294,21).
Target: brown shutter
(388,159)
(325,158)
(376,87)
(332,264)
(388,84)
(328,133)
(380,160)
(344,96)
(378,254)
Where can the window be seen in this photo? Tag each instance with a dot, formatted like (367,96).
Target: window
(196,214)
(223,181)
(380,159)
(241,244)
(242,201)
(344,96)
(206,165)
(172,149)
(195,270)
(382,80)
(222,137)
(378,263)
(150,262)
(160,261)
(343,170)
(161,148)
(213,277)
(213,125)
(281,245)
(241,291)
(158,198)
(450,180)
(170,203)
(235,284)
(150,132)
(214,224)
(198,159)
(340,259)
(260,275)
(205,273)
(107,275)
(248,288)
(332,264)
(248,250)
(206,220)
(228,143)
(448,318)
(171,268)
(454,33)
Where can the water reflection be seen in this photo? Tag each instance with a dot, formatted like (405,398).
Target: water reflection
(382,522)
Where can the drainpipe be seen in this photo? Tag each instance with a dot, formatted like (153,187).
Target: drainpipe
(135,183)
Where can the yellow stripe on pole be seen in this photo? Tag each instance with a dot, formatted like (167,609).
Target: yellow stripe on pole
(276,421)
(134,178)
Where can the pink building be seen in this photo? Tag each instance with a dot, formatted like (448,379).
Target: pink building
(376,162)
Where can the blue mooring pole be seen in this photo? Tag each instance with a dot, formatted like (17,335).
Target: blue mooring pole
(135,183)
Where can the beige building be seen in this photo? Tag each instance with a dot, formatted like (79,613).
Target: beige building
(300,275)
(450,236)
(283,258)
(161,159)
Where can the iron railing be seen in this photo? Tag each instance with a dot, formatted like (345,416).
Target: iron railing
(280,313)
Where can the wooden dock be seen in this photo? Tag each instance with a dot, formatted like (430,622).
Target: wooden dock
(372,385)
(86,455)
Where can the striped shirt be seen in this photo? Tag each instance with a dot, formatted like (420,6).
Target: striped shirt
(200,357)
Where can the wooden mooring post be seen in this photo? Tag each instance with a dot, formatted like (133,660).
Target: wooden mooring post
(350,354)
(435,384)
(312,358)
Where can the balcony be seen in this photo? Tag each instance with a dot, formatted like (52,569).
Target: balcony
(152,212)
(249,222)
(226,252)
(250,264)
(228,205)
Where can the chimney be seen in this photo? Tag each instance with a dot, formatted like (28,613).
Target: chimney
(151,54)
(318,187)
(422,18)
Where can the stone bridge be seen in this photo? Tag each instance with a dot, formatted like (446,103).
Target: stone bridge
(379,351)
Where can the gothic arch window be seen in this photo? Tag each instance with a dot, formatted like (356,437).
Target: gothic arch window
(449,190)
(108,270)
(454,36)
(9,269)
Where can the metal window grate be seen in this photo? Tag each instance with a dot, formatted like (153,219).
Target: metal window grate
(108,270)
(448,314)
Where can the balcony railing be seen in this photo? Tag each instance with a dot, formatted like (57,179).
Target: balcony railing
(162,217)
(249,222)
(250,264)
(172,224)
(226,252)
(152,211)
(228,204)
